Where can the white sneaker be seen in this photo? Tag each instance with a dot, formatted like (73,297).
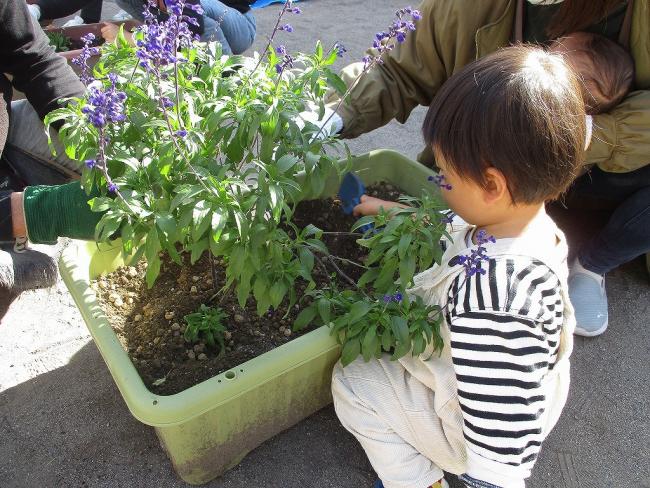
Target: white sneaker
(589,298)
(121,16)
(75,21)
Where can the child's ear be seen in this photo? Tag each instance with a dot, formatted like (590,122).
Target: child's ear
(496,186)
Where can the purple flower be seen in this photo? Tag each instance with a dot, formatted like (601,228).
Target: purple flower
(166,102)
(439,180)
(281,50)
(90,163)
(286,28)
(82,60)
(295,10)
(340,49)
(397,297)
(287,62)
(112,187)
(181,133)
(473,262)
(387,298)
(104,106)
(398,31)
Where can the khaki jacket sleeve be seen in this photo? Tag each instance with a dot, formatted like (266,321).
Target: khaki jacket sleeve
(621,138)
(410,75)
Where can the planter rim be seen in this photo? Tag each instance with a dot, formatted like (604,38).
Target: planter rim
(79,262)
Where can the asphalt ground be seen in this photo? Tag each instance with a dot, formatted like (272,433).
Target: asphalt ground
(63,422)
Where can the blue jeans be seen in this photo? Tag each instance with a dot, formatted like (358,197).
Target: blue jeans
(232,29)
(627,233)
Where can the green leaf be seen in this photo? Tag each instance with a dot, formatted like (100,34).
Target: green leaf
(153,270)
(324,309)
(286,162)
(400,329)
(218,224)
(304,318)
(404,243)
(369,344)
(277,293)
(306,258)
(351,350)
(336,82)
(407,270)
(167,224)
(358,310)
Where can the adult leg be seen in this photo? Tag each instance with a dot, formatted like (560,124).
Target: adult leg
(92,13)
(232,29)
(394,419)
(625,236)
(133,7)
(28,152)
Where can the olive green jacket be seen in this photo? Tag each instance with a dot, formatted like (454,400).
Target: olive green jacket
(453,33)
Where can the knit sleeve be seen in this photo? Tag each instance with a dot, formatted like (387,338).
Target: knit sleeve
(504,341)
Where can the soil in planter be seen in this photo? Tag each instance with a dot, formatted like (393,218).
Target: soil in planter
(150,325)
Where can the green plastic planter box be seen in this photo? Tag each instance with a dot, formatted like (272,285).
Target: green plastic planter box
(210,427)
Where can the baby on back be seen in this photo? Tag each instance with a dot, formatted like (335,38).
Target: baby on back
(605,67)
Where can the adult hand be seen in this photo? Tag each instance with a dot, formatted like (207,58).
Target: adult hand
(330,123)
(109,31)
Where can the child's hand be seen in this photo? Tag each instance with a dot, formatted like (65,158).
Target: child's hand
(371,206)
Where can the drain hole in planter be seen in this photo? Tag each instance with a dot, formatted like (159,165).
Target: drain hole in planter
(155,402)
(241,370)
(230,375)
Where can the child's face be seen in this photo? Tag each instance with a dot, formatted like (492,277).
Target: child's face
(466,198)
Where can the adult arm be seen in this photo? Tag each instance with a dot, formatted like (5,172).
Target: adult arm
(44,213)
(413,72)
(25,53)
(621,138)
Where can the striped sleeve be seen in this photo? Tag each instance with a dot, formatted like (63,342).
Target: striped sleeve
(505,328)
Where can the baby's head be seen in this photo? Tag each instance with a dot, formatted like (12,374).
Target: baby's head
(605,67)
(507,131)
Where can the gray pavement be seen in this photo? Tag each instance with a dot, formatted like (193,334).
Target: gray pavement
(63,422)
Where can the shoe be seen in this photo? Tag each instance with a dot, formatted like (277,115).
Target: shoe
(74,21)
(589,298)
(121,16)
(439,484)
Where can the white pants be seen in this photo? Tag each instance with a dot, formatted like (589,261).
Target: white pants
(394,417)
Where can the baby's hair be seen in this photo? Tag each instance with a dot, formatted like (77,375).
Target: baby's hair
(612,76)
(518,110)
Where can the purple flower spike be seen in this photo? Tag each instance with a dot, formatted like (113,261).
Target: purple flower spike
(181,133)
(387,298)
(397,297)
(112,187)
(439,180)
(281,50)
(296,10)
(340,49)
(90,163)
(287,28)
(473,262)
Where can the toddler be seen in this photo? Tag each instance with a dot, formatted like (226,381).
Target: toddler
(508,134)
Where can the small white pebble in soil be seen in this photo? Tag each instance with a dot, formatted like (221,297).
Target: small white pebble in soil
(239,318)
(169,315)
(231,343)
(202,357)
(208,282)
(132,272)
(287,332)
(191,354)
(137,318)
(199,347)
(103,285)
(282,328)
(176,326)
(194,289)
(195,278)
(118,302)
(129,300)
(227,335)
(156,340)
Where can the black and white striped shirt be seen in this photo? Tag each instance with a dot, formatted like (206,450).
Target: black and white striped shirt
(505,332)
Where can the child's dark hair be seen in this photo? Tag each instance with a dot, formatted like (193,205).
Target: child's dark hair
(518,110)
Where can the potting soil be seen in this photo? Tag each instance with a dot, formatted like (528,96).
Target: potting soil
(150,325)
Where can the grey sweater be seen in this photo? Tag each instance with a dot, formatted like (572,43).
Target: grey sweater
(25,54)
